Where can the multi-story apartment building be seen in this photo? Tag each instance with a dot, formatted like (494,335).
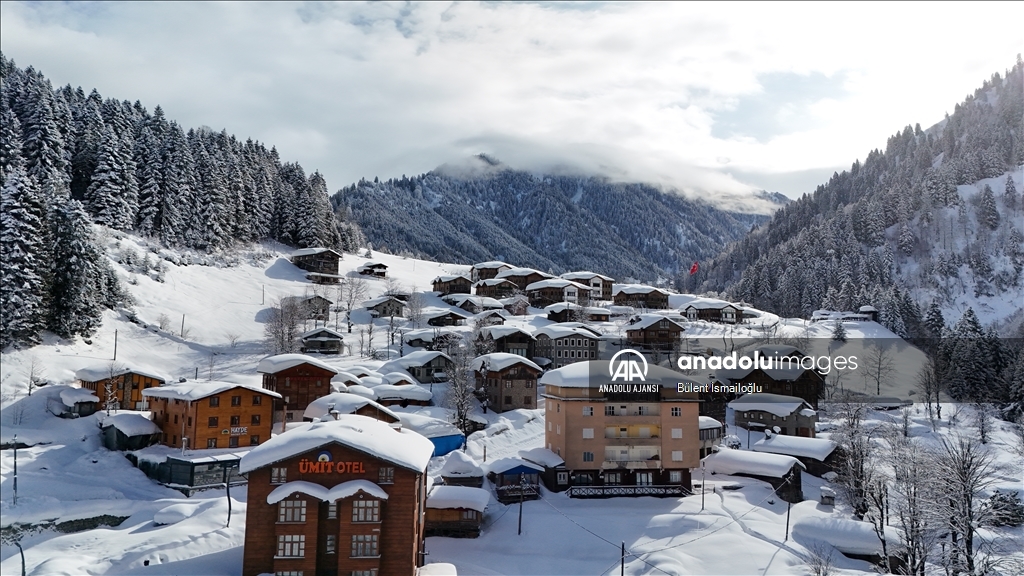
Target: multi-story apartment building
(212,414)
(508,380)
(565,344)
(600,285)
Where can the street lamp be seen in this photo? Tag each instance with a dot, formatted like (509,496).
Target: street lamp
(702,476)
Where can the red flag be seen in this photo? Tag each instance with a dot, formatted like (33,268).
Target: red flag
(694,268)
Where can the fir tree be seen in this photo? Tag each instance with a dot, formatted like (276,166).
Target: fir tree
(1010,197)
(988,215)
(78,272)
(22,286)
(839,332)
(107,195)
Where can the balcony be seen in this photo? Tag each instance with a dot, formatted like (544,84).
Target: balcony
(614,491)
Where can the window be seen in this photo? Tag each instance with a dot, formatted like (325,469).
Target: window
(558,407)
(613,478)
(233,442)
(529,383)
(366,510)
(588,456)
(588,410)
(508,383)
(508,399)
(236,400)
(644,478)
(549,426)
(364,545)
(189,421)
(370,572)
(214,401)
(288,573)
(675,476)
(386,475)
(609,410)
(254,440)
(677,411)
(278,475)
(291,511)
(527,400)
(211,442)
(257,400)
(563,477)
(212,422)
(175,418)
(558,428)
(588,432)
(332,510)
(236,420)
(469,514)
(643,410)
(255,420)
(291,546)
(288,382)
(677,455)
(331,545)
(677,432)
(288,415)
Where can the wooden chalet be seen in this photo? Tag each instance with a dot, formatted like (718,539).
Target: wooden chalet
(445,317)
(553,290)
(212,414)
(123,381)
(452,284)
(488,270)
(385,307)
(569,312)
(653,332)
(645,297)
(509,381)
(320,263)
(792,416)
(492,317)
(514,479)
(712,310)
(455,511)
(298,378)
(818,455)
(78,402)
(600,285)
(423,365)
(522,277)
(472,304)
(782,472)
(129,432)
(510,339)
(373,269)
(495,288)
(311,307)
(323,341)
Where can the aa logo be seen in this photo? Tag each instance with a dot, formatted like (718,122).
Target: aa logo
(628,369)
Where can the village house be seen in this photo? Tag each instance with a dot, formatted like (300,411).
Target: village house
(818,455)
(621,442)
(385,307)
(320,263)
(642,297)
(461,470)
(403,395)
(121,381)
(472,304)
(212,414)
(374,269)
(552,290)
(653,332)
(782,472)
(455,511)
(488,270)
(445,317)
(495,288)
(78,402)
(514,479)
(509,381)
(522,277)
(600,285)
(492,317)
(314,307)
(322,341)
(339,403)
(452,284)
(564,345)
(569,312)
(510,339)
(711,434)
(423,365)
(299,379)
(432,339)
(341,497)
(760,411)
(712,310)
(553,465)
(778,375)
(129,432)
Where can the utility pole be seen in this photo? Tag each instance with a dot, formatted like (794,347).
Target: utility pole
(115,344)
(702,476)
(16,477)
(522,488)
(263,297)
(622,560)
(183,326)
(18,544)
(227,486)
(788,506)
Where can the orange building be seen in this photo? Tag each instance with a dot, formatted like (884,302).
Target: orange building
(212,414)
(123,381)
(299,379)
(338,497)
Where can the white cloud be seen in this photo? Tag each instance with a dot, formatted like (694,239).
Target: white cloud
(633,91)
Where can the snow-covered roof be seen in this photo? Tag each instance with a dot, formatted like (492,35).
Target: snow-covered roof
(437,569)
(866,309)
(344,403)
(817,448)
(776,404)
(542,457)
(638,289)
(506,464)
(562,306)
(191,391)
(312,251)
(494,282)
(326,331)
(403,392)
(479,301)
(71,396)
(708,423)
(397,378)
(498,361)
(408,449)
(644,321)
(461,465)
(845,534)
(360,371)
(585,275)
(556,283)
(338,492)
(578,375)
(427,426)
(776,350)
(497,332)
(491,264)
(360,390)
(275,364)
(729,461)
(562,330)
(782,369)
(97,372)
(458,497)
(516,272)
(345,378)
(374,302)
(413,359)
(709,304)
(372,264)
(435,312)
(427,334)
(449,278)
(131,424)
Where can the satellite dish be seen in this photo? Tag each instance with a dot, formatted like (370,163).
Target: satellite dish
(777,429)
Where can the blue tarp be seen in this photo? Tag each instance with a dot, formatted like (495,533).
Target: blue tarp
(445,444)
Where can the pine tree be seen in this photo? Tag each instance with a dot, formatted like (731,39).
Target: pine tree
(10,137)
(22,286)
(78,272)
(906,240)
(1010,197)
(839,332)
(106,196)
(988,215)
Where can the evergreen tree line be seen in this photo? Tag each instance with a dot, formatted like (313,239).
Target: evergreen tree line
(69,160)
(897,218)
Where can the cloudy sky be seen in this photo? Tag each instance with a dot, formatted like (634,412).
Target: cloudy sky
(711,99)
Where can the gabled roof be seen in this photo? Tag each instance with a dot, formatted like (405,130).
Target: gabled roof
(305,298)
(344,403)
(131,424)
(430,313)
(586,275)
(458,497)
(504,465)
(427,334)
(562,306)
(373,264)
(542,457)
(275,364)
(494,282)
(449,278)
(191,391)
(312,251)
(645,321)
(776,404)
(497,332)
(729,461)
(325,332)
(428,426)
(498,361)
(374,302)
(817,448)
(638,289)
(559,283)
(97,372)
(561,331)
(709,304)
(481,301)
(403,392)
(516,272)
(490,265)
(403,448)
(414,359)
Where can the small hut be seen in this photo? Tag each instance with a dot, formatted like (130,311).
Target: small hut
(129,432)
(515,479)
(461,470)
(78,402)
(455,511)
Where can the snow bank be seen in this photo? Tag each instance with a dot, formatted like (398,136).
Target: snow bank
(458,497)
(437,569)
(846,535)
(729,461)
(174,513)
(403,392)
(338,492)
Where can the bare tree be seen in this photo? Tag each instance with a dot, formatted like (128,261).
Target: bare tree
(856,470)
(282,329)
(928,385)
(232,338)
(115,381)
(966,472)
(910,495)
(821,560)
(391,287)
(35,373)
(459,396)
(353,291)
(481,344)
(414,309)
(371,351)
(983,421)
(392,333)
(879,366)
(163,321)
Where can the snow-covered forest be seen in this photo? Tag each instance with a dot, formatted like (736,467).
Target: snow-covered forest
(69,159)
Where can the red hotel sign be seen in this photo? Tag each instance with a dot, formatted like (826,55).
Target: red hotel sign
(328,467)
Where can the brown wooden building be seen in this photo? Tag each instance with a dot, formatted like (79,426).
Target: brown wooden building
(600,285)
(713,310)
(510,339)
(337,498)
(495,288)
(299,379)
(126,383)
(488,270)
(653,332)
(374,269)
(212,414)
(456,511)
(321,263)
(508,380)
(641,297)
(523,277)
(781,376)
(452,284)
(314,307)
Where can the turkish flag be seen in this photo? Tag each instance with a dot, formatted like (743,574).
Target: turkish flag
(694,268)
